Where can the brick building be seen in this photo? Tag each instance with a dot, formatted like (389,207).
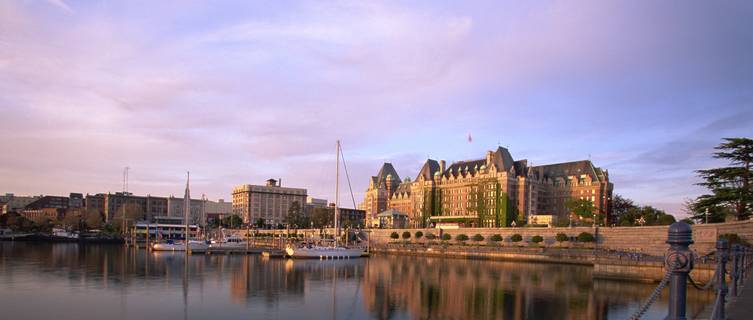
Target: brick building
(490,192)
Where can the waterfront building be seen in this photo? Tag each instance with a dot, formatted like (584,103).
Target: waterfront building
(14,203)
(392,219)
(488,192)
(269,202)
(108,205)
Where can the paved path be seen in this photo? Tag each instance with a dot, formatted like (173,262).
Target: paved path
(741,307)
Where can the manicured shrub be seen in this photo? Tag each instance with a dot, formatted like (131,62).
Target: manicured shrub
(496,238)
(478,237)
(461,237)
(430,236)
(561,237)
(394,235)
(419,234)
(586,237)
(406,235)
(446,236)
(516,238)
(537,239)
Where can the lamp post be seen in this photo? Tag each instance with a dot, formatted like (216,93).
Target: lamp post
(707,215)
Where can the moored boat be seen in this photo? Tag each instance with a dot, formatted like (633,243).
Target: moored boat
(193,246)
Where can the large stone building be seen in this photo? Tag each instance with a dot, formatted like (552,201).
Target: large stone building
(269,202)
(488,192)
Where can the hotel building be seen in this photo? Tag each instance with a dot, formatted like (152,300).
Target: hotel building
(269,202)
(488,192)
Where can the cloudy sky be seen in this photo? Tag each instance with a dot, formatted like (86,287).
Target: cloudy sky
(238,92)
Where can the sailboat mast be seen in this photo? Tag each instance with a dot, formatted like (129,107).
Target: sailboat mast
(337,194)
(187,207)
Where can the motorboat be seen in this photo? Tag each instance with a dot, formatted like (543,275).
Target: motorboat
(229,242)
(170,245)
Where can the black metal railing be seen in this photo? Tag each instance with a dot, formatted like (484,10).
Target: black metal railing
(732,268)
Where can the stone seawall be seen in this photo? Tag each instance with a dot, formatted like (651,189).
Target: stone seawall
(647,240)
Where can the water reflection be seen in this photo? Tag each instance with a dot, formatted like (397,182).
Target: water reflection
(68,281)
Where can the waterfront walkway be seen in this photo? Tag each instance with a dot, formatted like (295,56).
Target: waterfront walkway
(741,307)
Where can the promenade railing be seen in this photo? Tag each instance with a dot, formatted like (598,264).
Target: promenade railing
(732,267)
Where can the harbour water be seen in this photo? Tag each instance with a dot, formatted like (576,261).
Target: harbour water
(71,281)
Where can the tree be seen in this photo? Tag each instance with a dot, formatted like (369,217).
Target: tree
(419,234)
(295,216)
(621,206)
(72,221)
(406,235)
(516,238)
(394,235)
(477,237)
(260,223)
(537,239)
(650,216)
(729,186)
(561,237)
(583,208)
(496,238)
(233,221)
(92,219)
(321,217)
(130,212)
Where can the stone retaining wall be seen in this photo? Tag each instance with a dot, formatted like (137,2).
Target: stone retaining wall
(647,240)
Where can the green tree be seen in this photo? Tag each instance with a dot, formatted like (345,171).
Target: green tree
(260,223)
(477,237)
(583,208)
(93,219)
(126,215)
(419,234)
(537,239)
(72,221)
(394,235)
(321,217)
(730,185)
(233,221)
(516,238)
(295,217)
(621,206)
(406,235)
(561,237)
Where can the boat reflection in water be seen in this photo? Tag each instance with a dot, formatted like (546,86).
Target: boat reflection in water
(71,281)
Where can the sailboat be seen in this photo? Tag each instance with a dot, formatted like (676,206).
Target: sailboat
(187,245)
(327,252)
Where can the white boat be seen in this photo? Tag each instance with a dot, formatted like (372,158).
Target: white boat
(323,252)
(7,233)
(62,233)
(326,252)
(230,242)
(193,246)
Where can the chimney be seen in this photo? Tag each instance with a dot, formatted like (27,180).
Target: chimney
(489,156)
(442,165)
(279,182)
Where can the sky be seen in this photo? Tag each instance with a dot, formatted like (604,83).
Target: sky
(238,92)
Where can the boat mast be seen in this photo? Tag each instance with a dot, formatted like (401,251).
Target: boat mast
(337,193)
(187,207)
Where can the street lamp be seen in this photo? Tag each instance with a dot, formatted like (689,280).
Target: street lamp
(707,215)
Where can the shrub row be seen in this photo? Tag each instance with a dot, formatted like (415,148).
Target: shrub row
(560,237)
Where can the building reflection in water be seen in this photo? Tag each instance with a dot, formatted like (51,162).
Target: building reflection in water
(380,287)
